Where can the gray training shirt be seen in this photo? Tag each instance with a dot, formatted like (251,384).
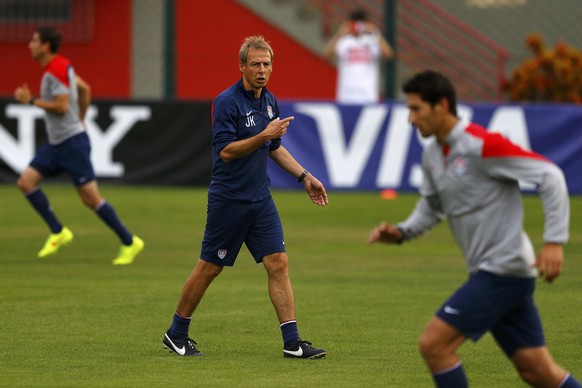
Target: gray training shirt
(59,78)
(472,181)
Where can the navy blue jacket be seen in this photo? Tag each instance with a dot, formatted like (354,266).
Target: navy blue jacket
(237,115)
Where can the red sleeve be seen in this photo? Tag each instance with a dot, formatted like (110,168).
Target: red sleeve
(495,145)
(59,68)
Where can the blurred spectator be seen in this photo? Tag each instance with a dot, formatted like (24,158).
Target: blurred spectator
(358,47)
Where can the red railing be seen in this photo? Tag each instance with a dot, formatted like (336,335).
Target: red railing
(430,37)
(427,36)
(74,19)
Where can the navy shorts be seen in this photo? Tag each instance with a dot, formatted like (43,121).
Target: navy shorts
(501,304)
(72,156)
(229,224)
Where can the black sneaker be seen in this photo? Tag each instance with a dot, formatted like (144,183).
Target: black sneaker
(183,346)
(303,349)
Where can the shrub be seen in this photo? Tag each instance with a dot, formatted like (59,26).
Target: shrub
(550,76)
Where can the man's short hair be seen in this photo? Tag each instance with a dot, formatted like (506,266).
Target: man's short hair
(358,15)
(256,42)
(50,35)
(432,86)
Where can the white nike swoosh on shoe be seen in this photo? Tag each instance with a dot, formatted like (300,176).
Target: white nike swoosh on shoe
(296,353)
(453,311)
(181,351)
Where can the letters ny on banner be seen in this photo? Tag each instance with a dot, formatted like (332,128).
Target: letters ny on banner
(137,143)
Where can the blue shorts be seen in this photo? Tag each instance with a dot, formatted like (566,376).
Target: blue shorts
(500,304)
(229,224)
(72,156)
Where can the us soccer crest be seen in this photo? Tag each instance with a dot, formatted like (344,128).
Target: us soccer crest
(222,253)
(270,111)
(460,166)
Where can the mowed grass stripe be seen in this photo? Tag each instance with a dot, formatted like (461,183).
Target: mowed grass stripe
(76,320)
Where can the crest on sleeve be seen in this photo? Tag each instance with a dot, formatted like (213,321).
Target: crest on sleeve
(270,111)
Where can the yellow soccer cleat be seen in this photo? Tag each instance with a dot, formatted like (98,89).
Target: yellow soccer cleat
(127,253)
(55,241)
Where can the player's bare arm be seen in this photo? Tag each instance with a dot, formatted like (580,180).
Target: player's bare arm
(549,261)
(385,233)
(237,149)
(315,190)
(313,186)
(84,91)
(59,105)
(387,52)
(23,95)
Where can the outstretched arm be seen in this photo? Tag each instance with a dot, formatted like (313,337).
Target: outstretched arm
(59,105)
(385,233)
(425,215)
(312,185)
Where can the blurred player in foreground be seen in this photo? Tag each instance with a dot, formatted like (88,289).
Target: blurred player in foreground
(471,178)
(65,97)
(246,132)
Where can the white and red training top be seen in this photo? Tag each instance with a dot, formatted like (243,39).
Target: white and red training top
(59,78)
(358,80)
(472,180)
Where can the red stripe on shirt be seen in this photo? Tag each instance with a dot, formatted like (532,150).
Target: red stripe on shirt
(495,145)
(59,68)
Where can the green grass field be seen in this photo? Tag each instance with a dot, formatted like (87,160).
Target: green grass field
(76,320)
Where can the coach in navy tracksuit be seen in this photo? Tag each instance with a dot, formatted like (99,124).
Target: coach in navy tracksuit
(247,131)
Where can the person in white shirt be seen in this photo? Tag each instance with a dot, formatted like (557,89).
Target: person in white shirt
(358,48)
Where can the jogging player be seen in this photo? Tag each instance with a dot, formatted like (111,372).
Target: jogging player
(471,179)
(65,97)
